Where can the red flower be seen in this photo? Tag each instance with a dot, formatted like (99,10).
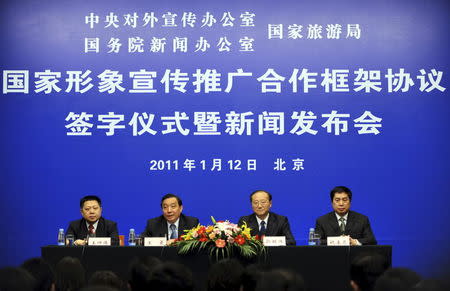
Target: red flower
(257,237)
(203,239)
(220,243)
(240,240)
(201,230)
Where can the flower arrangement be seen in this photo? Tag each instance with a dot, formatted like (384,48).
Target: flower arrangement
(221,238)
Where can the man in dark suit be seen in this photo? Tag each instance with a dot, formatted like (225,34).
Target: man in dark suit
(262,222)
(342,221)
(92,223)
(172,223)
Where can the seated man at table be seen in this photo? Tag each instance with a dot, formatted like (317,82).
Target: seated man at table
(262,222)
(342,221)
(92,223)
(172,223)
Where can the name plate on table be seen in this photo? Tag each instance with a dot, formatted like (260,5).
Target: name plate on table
(99,241)
(338,241)
(155,241)
(274,241)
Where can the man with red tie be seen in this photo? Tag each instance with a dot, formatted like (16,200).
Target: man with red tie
(92,223)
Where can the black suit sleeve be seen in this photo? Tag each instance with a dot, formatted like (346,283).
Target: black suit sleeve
(187,223)
(367,236)
(247,219)
(196,222)
(286,231)
(321,232)
(241,221)
(147,231)
(113,233)
(70,230)
(74,229)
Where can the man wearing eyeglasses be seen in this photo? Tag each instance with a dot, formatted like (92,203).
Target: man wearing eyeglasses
(262,222)
(342,221)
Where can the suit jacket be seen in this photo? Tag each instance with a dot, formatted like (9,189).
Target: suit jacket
(277,225)
(157,227)
(105,228)
(357,227)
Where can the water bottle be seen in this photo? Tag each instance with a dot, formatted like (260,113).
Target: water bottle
(61,237)
(131,237)
(311,238)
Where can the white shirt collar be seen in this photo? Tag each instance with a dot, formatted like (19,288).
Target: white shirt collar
(339,217)
(265,220)
(94,224)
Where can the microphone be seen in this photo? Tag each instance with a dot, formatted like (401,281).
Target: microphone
(86,240)
(164,246)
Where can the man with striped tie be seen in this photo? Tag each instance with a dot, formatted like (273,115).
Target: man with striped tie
(342,221)
(172,223)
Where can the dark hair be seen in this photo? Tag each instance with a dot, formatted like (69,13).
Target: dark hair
(90,198)
(42,273)
(225,275)
(99,288)
(431,285)
(69,274)
(341,189)
(171,276)
(365,270)
(397,279)
(254,192)
(252,275)
(180,203)
(280,280)
(105,278)
(139,272)
(12,279)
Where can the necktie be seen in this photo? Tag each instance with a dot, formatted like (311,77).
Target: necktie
(91,229)
(262,229)
(174,233)
(342,225)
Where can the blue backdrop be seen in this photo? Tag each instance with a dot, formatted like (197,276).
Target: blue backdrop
(399,177)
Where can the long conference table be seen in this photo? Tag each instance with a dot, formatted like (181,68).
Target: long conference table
(322,267)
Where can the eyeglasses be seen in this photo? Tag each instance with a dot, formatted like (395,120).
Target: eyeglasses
(262,203)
